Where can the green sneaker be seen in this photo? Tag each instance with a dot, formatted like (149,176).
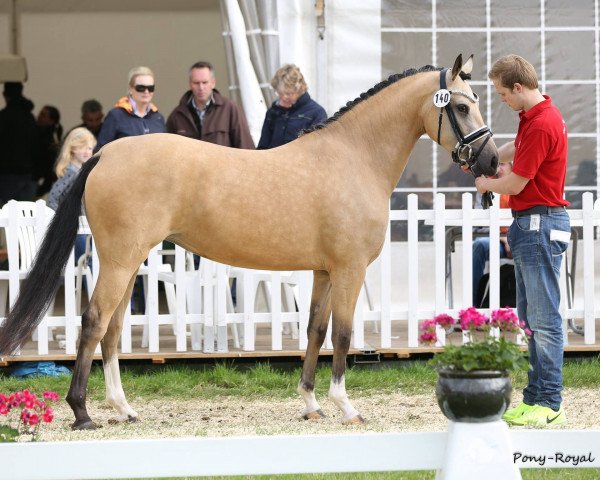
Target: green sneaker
(513,413)
(541,417)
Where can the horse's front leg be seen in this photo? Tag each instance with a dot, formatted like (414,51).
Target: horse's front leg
(115,396)
(320,310)
(346,287)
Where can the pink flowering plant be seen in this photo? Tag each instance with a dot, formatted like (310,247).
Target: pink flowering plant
(490,341)
(24,413)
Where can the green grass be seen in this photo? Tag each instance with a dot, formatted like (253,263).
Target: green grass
(262,380)
(178,381)
(527,474)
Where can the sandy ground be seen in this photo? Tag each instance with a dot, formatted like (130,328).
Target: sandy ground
(226,416)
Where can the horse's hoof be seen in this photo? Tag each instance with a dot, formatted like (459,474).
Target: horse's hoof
(316,415)
(358,420)
(132,419)
(84,425)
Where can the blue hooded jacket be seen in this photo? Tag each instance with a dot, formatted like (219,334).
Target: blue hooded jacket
(282,125)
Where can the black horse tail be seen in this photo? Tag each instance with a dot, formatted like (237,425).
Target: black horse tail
(41,284)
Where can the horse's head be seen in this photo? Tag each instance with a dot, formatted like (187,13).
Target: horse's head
(454,121)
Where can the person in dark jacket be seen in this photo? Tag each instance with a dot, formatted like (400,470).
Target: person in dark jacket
(134,114)
(91,117)
(50,133)
(18,144)
(203,113)
(293,112)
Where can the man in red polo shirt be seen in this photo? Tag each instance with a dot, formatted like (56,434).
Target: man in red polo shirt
(538,235)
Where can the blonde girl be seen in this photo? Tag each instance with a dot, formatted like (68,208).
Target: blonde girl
(76,149)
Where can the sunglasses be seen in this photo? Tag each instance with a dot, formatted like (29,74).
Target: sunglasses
(142,88)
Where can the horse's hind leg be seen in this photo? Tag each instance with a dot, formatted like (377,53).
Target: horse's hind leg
(346,285)
(320,310)
(107,295)
(115,396)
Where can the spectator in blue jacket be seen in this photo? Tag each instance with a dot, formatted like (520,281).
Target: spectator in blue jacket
(292,112)
(134,114)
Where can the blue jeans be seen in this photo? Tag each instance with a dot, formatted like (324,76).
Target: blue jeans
(537,271)
(481,254)
(80,240)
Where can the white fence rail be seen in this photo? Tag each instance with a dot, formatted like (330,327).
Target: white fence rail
(406,284)
(264,455)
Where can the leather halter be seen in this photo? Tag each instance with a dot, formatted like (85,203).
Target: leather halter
(463,151)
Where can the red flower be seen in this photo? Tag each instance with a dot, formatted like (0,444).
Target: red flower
(48,415)
(505,319)
(15,399)
(428,332)
(34,419)
(52,396)
(444,320)
(471,319)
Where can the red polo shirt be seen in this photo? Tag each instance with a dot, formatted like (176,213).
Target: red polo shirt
(541,156)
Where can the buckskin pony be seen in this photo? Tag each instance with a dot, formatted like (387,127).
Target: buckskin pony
(318,203)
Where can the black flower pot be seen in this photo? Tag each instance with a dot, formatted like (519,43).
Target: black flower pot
(473,397)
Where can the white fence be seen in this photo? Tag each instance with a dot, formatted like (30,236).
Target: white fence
(264,455)
(406,284)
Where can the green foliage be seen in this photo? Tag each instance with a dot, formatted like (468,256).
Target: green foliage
(8,434)
(488,354)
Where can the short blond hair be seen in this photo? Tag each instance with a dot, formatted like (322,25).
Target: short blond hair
(512,69)
(289,77)
(78,137)
(136,72)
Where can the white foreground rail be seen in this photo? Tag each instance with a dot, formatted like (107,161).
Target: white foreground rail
(407,284)
(263,455)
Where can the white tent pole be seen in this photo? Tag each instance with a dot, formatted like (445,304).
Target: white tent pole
(252,98)
(15,29)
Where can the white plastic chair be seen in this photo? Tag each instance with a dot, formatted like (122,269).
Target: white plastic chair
(166,275)
(83,270)
(261,283)
(26,251)
(194,297)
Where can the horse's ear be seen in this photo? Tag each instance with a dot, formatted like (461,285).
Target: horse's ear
(468,66)
(457,66)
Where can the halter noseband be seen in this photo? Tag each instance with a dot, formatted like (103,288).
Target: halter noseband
(463,151)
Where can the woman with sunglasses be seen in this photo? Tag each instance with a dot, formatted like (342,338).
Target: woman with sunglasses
(134,114)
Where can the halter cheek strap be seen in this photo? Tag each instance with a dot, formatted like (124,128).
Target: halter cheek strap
(463,151)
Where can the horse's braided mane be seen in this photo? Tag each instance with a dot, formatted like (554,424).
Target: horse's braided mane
(369,93)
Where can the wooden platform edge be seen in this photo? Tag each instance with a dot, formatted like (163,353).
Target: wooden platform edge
(161,358)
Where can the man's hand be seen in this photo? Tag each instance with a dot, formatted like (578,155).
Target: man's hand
(480,184)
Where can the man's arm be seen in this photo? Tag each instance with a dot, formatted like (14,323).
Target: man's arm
(511,184)
(506,153)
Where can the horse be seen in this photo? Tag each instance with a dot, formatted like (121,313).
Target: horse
(318,203)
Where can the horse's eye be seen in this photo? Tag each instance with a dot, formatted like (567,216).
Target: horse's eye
(462,108)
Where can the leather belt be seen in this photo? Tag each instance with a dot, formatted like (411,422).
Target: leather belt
(538,209)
